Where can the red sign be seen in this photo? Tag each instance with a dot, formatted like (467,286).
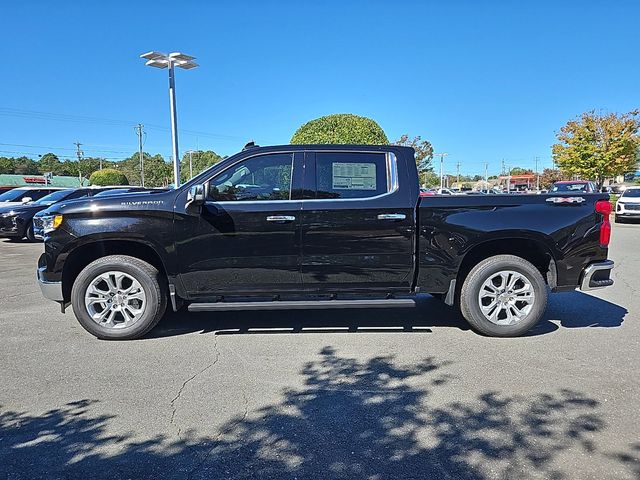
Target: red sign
(34,180)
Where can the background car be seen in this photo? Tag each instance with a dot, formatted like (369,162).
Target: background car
(628,205)
(16,221)
(20,195)
(577,186)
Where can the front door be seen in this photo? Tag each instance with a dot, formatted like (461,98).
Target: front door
(358,225)
(246,239)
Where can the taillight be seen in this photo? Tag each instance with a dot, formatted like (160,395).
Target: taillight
(604,208)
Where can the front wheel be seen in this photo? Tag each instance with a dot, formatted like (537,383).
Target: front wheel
(29,233)
(119,297)
(503,296)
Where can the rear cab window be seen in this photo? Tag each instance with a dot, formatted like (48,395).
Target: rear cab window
(348,175)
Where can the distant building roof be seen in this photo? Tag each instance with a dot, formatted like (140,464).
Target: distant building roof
(38,180)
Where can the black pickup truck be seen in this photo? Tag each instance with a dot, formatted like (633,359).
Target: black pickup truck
(319,226)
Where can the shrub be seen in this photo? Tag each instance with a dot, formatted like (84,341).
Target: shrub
(341,128)
(108,176)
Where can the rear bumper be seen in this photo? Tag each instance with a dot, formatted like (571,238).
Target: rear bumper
(597,275)
(50,289)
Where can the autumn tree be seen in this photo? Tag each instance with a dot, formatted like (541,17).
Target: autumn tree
(549,176)
(424,154)
(596,147)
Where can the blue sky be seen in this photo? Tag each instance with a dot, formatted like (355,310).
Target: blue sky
(482,80)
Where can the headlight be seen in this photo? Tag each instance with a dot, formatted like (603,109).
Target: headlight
(50,222)
(9,214)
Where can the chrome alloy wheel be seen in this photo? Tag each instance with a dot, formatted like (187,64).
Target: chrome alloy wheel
(115,300)
(506,297)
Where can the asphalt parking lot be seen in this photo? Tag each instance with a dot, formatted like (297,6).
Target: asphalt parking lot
(367,394)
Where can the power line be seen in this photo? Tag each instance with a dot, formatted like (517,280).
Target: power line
(38,115)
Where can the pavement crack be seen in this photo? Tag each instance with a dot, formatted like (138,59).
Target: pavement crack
(227,429)
(174,407)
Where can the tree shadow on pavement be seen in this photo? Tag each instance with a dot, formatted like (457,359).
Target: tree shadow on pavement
(350,419)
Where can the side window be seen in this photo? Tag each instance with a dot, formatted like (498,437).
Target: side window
(266,177)
(350,175)
(37,194)
(78,194)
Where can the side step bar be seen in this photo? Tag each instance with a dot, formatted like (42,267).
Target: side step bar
(302,304)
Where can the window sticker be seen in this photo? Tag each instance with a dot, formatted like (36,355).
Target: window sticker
(354,176)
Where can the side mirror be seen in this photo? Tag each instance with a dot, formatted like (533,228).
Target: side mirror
(196,195)
(26,199)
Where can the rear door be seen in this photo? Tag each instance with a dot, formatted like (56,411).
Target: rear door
(357,223)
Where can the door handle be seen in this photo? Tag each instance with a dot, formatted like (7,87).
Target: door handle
(281,218)
(392,216)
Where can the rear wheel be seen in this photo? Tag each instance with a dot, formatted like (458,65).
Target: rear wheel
(503,296)
(119,297)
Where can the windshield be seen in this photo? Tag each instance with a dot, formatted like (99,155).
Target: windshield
(53,197)
(631,193)
(14,195)
(116,191)
(569,187)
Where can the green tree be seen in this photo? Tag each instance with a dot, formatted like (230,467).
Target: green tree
(341,128)
(201,160)
(7,165)
(49,162)
(424,151)
(157,172)
(550,176)
(25,166)
(108,176)
(429,179)
(521,171)
(597,147)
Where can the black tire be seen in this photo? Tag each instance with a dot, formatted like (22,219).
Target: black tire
(153,285)
(470,303)
(29,232)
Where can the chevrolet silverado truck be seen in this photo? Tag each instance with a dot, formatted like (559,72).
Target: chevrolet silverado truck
(319,226)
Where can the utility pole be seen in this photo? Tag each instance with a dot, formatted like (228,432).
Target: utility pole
(79,155)
(486,175)
(458,175)
(441,155)
(139,131)
(190,164)
(508,179)
(537,176)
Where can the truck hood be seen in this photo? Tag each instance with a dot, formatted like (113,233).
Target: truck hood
(134,201)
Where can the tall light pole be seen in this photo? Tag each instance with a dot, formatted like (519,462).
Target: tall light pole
(175,59)
(441,155)
(537,176)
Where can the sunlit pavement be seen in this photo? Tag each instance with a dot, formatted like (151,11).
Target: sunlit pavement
(291,394)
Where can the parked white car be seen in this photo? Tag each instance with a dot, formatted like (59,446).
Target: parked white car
(628,205)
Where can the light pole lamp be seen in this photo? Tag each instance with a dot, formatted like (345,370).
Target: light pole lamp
(175,59)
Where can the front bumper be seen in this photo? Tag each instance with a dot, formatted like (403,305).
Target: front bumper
(597,275)
(50,290)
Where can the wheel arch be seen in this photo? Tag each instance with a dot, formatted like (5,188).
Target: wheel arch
(81,256)
(533,250)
